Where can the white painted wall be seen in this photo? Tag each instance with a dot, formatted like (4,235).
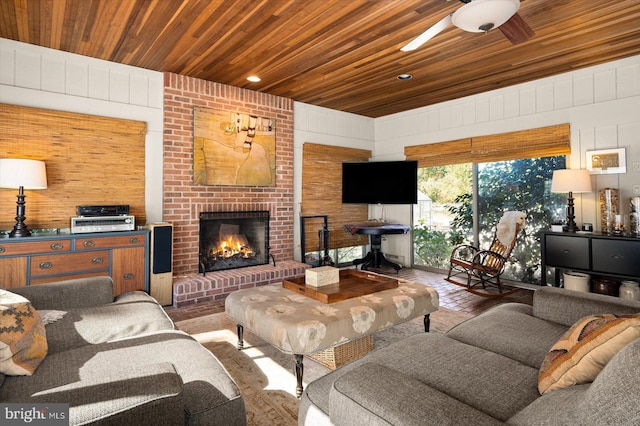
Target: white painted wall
(601,103)
(328,127)
(38,77)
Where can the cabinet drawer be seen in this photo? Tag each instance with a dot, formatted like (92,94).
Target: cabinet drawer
(567,252)
(616,256)
(9,249)
(68,263)
(108,242)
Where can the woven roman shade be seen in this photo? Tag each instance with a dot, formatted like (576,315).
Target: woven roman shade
(541,142)
(322,194)
(90,160)
(440,154)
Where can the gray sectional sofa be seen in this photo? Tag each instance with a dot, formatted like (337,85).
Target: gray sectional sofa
(122,362)
(482,372)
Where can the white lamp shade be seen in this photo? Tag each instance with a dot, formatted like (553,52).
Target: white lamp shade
(477,13)
(571,180)
(30,174)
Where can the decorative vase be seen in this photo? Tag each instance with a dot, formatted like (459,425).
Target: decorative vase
(630,290)
(605,286)
(608,209)
(634,216)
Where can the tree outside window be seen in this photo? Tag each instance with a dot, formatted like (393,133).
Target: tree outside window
(522,185)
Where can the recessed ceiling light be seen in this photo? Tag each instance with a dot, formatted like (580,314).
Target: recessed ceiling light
(253,78)
(404,77)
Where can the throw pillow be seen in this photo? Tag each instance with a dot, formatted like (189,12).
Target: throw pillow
(23,342)
(584,350)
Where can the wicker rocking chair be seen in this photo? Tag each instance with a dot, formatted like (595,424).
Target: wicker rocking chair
(484,267)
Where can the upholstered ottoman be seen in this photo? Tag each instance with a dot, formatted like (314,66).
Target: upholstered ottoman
(300,325)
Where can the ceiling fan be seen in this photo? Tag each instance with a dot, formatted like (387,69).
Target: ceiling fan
(481,16)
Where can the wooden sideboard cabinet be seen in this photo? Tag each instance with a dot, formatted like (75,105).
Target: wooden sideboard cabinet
(594,254)
(40,259)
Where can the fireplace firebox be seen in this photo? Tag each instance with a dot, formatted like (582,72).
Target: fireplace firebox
(230,240)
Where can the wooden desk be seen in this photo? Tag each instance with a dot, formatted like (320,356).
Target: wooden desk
(375,258)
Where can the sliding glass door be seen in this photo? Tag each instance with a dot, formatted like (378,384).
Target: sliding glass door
(467,201)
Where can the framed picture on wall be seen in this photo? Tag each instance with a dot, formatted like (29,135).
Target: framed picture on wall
(607,161)
(233,148)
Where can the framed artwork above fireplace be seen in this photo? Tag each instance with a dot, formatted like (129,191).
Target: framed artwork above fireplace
(233,148)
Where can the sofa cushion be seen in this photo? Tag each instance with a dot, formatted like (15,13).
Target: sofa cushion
(512,331)
(566,307)
(209,395)
(585,349)
(376,395)
(70,294)
(611,400)
(150,394)
(131,314)
(23,342)
(488,382)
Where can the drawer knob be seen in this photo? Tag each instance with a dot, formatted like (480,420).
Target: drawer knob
(56,246)
(1,249)
(46,265)
(96,260)
(565,251)
(128,276)
(134,240)
(617,257)
(89,243)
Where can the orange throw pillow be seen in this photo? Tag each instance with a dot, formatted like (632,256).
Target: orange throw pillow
(585,349)
(23,342)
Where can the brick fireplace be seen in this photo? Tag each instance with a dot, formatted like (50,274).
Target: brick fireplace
(184,201)
(231,240)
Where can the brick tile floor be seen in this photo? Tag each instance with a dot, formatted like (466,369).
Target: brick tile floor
(451,296)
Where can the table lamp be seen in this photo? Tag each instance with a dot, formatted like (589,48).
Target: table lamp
(22,174)
(570,181)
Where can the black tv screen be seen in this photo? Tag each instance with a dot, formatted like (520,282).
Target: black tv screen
(380,182)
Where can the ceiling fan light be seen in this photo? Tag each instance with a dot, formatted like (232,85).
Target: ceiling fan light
(483,13)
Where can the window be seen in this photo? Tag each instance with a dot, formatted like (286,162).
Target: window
(469,183)
(459,214)
(444,194)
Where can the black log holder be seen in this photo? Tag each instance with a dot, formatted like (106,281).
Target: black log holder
(324,259)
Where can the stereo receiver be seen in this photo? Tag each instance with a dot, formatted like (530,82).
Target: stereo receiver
(81,225)
(110,210)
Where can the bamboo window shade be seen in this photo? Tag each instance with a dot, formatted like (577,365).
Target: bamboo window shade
(539,142)
(90,160)
(440,154)
(322,194)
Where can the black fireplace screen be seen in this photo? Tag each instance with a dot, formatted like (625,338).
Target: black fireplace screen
(230,240)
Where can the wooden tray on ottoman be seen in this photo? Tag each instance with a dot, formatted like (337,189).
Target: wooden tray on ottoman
(353,283)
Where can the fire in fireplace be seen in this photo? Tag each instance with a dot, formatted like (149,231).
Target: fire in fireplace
(230,240)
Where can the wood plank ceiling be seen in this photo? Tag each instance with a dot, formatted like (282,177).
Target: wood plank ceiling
(339,54)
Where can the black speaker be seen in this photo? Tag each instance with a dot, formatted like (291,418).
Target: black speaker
(161,246)
(161,262)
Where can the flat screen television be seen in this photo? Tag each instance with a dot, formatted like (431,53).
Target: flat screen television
(380,182)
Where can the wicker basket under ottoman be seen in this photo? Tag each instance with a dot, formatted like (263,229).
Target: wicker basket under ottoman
(345,353)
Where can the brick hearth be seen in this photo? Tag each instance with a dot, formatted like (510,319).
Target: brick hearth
(195,288)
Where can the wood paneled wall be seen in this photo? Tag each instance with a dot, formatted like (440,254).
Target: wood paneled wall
(90,160)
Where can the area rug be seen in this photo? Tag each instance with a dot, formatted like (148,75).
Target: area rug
(265,375)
